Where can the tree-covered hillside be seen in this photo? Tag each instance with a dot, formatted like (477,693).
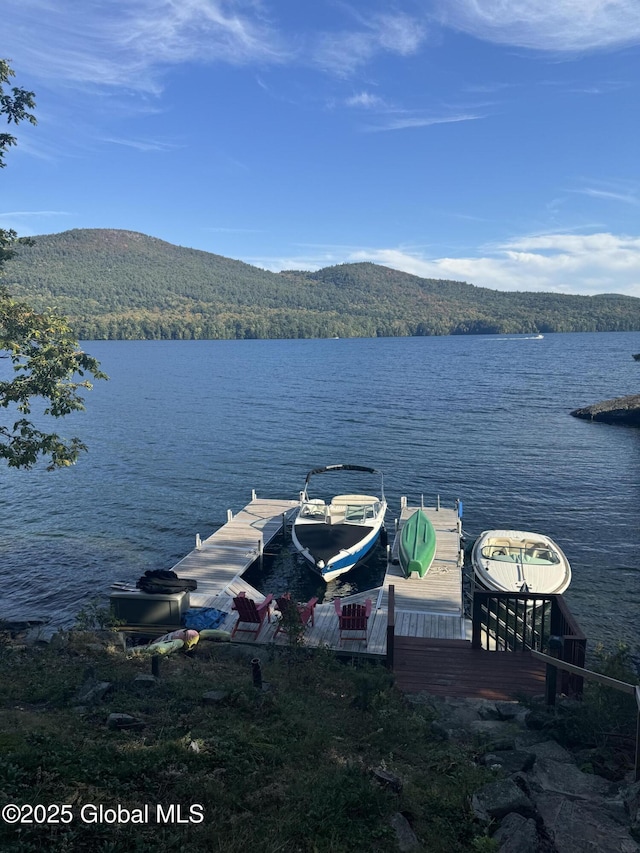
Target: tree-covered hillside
(121,284)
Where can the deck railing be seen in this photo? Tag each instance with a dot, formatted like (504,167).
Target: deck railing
(520,622)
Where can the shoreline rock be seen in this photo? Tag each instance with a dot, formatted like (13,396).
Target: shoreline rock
(621,410)
(540,800)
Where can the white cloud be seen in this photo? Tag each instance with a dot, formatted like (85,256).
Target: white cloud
(405,122)
(547,25)
(611,195)
(142,144)
(365,100)
(563,263)
(344,52)
(127,43)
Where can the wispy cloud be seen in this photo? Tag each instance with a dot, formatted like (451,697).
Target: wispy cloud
(403,123)
(143,144)
(128,43)
(13,213)
(344,52)
(625,192)
(366,100)
(626,198)
(562,25)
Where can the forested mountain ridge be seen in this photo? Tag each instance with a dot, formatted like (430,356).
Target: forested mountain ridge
(122,284)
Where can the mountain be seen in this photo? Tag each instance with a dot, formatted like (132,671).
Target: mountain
(122,284)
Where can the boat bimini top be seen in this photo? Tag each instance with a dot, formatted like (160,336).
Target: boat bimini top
(305,497)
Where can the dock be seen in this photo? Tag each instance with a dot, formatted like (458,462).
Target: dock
(417,626)
(428,608)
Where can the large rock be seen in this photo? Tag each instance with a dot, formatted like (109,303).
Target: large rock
(498,799)
(621,410)
(576,826)
(563,779)
(517,834)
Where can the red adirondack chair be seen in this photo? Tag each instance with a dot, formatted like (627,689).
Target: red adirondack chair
(251,614)
(353,619)
(294,613)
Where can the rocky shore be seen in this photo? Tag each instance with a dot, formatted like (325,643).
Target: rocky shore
(621,410)
(544,799)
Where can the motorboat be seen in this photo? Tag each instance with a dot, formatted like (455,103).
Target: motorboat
(334,536)
(417,544)
(519,561)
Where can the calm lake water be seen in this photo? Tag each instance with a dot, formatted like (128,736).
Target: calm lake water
(185,429)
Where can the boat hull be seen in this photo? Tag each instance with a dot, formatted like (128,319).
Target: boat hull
(417,544)
(333,537)
(341,563)
(519,561)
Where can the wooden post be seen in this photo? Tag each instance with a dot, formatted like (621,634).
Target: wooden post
(229,516)
(438,503)
(253,494)
(391,625)
(198,542)
(155,666)
(256,673)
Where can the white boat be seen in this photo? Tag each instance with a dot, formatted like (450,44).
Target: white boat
(519,561)
(334,536)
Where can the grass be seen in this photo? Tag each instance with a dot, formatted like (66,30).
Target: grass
(288,769)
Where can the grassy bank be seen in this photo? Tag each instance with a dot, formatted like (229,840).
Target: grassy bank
(287,769)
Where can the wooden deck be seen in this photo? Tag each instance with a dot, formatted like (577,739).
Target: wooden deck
(452,668)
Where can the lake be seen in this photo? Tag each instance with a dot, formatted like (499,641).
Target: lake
(185,429)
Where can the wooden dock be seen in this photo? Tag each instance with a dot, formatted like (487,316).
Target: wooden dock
(429,607)
(424,635)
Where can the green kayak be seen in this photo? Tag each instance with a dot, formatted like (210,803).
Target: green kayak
(417,544)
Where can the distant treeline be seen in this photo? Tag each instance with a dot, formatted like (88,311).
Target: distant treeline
(124,285)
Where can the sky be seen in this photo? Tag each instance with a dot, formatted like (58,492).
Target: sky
(490,141)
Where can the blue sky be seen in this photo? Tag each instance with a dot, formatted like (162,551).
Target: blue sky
(480,140)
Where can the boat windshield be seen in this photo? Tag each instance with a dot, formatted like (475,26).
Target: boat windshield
(361,513)
(313,509)
(537,555)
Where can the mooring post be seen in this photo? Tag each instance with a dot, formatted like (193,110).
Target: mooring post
(261,551)
(253,494)
(284,525)
(551,680)
(198,542)
(256,672)
(438,503)
(229,515)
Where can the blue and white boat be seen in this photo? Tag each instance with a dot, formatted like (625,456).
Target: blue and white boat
(334,536)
